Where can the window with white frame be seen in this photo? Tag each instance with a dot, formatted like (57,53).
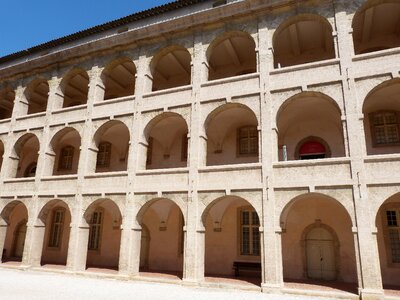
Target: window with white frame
(248,140)
(56,228)
(95,230)
(66,158)
(104,155)
(393,233)
(385,128)
(249,232)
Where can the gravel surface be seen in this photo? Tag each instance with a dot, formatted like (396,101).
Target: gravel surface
(15,284)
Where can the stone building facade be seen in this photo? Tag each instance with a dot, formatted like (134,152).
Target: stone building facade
(203,133)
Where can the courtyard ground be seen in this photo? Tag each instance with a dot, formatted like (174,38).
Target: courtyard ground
(32,285)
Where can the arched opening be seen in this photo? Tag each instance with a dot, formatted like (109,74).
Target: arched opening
(75,88)
(65,148)
(15,215)
(7,97)
(381,111)
(167,139)
(311,118)
(388,237)
(303,39)
(171,68)
(104,219)
(376,26)
(112,143)
(56,217)
(232,240)
(162,240)
(232,135)
(231,54)
(119,79)
(37,94)
(318,243)
(25,156)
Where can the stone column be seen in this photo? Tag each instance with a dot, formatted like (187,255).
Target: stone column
(21,104)
(56,98)
(135,243)
(34,245)
(78,241)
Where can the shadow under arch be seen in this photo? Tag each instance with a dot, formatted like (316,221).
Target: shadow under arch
(303,27)
(74,87)
(37,94)
(119,78)
(162,237)
(232,240)
(166,139)
(232,53)
(54,219)
(171,67)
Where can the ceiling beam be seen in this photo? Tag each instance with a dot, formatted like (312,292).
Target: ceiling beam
(232,52)
(114,81)
(294,39)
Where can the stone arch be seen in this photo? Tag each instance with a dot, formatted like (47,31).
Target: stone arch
(171,67)
(13,214)
(166,136)
(222,129)
(24,153)
(74,87)
(119,78)
(102,219)
(381,109)
(299,40)
(309,211)
(368,36)
(231,54)
(309,109)
(66,137)
(117,134)
(164,220)
(37,94)
(54,224)
(387,221)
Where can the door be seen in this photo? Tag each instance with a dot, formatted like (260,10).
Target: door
(144,248)
(320,254)
(19,239)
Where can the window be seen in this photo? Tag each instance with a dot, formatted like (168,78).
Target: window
(393,234)
(248,141)
(56,228)
(312,150)
(184,152)
(66,157)
(385,128)
(249,232)
(104,154)
(95,230)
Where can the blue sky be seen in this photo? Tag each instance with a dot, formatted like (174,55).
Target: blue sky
(27,23)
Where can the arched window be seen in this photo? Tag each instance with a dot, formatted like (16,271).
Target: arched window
(104,154)
(31,170)
(385,128)
(56,228)
(95,230)
(66,158)
(312,150)
(248,141)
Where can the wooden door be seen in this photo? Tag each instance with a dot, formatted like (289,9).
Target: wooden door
(320,253)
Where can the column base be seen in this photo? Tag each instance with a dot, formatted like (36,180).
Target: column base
(271,288)
(371,294)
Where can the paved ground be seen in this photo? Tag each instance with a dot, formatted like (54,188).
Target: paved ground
(32,285)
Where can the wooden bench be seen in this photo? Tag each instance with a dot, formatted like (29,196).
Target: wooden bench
(241,265)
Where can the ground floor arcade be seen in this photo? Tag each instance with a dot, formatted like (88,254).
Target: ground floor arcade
(310,243)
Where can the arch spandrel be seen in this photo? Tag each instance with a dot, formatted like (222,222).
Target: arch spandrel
(286,199)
